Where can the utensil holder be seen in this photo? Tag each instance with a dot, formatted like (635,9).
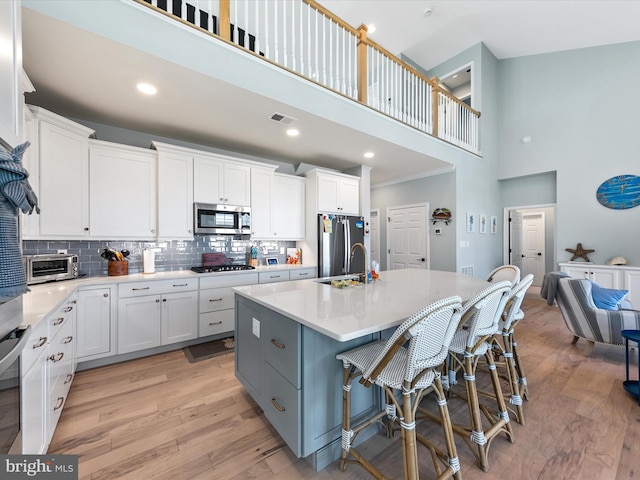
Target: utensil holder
(116,269)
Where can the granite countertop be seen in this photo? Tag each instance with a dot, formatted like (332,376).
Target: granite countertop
(347,313)
(43,298)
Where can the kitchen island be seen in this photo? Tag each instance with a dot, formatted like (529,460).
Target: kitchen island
(288,334)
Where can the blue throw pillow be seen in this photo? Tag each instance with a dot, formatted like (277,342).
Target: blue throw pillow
(607,298)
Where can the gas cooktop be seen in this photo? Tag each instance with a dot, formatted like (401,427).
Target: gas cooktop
(222,268)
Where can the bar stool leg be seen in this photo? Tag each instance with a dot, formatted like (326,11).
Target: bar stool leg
(408,425)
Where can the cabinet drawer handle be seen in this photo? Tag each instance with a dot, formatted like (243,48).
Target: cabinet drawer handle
(68,379)
(276,344)
(303,274)
(143,288)
(181,285)
(57,357)
(275,404)
(67,310)
(59,404)
(58,321)
(40,342)
(274,276)
(215,299)
(69,339)
(215,323)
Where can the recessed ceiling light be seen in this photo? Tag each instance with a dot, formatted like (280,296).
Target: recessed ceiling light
(371,28)
(147,88)
(292,132)
(369,154)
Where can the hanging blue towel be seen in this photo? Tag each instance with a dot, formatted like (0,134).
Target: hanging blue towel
(15,195)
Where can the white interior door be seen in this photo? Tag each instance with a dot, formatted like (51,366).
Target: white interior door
(533,253)
(407,237)
(515,239)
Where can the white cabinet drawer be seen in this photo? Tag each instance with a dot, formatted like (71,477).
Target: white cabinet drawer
(158,287)
(62,316)
(232,279)
(213,299)
(37,343)
(213,323)
(61,351)
(302,273)
(271,277)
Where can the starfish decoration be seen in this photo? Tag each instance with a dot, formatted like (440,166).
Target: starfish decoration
(579,252)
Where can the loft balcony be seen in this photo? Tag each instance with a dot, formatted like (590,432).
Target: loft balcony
(305,38)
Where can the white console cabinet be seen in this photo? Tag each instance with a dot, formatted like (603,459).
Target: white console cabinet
(619,277)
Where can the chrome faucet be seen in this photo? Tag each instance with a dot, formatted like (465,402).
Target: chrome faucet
(363,275)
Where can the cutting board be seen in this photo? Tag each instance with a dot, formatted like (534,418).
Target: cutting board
(214,259)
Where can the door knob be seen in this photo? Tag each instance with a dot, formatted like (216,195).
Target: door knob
(539,254)
(423,259)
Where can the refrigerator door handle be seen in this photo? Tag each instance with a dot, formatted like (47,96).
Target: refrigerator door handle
(347,245)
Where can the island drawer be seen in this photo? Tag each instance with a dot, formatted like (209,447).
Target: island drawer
(157,287)
(213,323)
(281,405)
(213,299)
(280,345)
(62,316)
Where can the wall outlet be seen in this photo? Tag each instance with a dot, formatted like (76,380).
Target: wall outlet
(255,327)
(62,252)
(281,250)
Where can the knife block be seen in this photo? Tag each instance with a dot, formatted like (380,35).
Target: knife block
(116,269)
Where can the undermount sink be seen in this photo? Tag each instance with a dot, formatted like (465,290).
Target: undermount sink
(327,281)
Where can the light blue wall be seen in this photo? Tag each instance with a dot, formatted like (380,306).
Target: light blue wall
(582,118)
(439,191)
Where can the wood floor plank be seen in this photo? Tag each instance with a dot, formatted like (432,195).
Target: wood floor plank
(162,417)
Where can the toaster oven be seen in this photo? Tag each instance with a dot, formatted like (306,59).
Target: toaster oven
(50,267)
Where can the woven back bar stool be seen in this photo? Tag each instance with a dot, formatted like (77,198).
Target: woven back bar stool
(508,350)
(410,361)
(480,317)
(510,273)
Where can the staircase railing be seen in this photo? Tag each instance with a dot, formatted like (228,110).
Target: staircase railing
(304,37)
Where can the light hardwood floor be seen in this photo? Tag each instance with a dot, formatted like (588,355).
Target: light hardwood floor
(164,418)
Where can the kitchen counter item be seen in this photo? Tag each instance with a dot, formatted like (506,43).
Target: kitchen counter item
(221,268)
(118,268)
(214,259)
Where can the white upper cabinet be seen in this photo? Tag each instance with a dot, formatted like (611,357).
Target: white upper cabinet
(277,205)
(122,191)
(288,207)
(336,192)
(11,98)
(58,164)
(217,180)
(175,193)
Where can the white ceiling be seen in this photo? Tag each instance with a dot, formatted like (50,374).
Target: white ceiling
(84,76)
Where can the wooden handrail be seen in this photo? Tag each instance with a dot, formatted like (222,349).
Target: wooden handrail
(457,100)
(334,18)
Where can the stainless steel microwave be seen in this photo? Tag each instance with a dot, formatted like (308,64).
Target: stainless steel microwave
(220,219)
(50,267)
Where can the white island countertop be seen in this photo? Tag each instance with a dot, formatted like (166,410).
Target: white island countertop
(347,313)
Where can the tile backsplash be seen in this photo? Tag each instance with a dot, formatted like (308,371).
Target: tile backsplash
(170,255)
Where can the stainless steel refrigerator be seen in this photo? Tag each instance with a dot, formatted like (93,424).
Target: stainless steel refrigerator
(336,235)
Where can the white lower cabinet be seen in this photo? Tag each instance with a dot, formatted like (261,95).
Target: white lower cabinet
(151,314)
(217,307)
(33,364)
(608,276)
(48,365)
(95,328)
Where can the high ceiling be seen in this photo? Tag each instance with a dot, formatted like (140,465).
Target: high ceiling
(84,76)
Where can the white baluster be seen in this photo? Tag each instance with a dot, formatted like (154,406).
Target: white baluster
(309,57)
(324,48)
(316,23)
(294,39)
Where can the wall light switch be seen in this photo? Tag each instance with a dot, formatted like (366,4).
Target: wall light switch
(462,243)
(255,327)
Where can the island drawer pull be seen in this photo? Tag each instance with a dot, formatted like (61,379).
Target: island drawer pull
(180,284)
(67,310)
(58,321)
(274,276)
(69,339)
(68,379)
(141,288)
(59,404)
(276,344)
(275,404)
(215,323)
(40,342)
(303,274)
(57,357)
(215,299)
